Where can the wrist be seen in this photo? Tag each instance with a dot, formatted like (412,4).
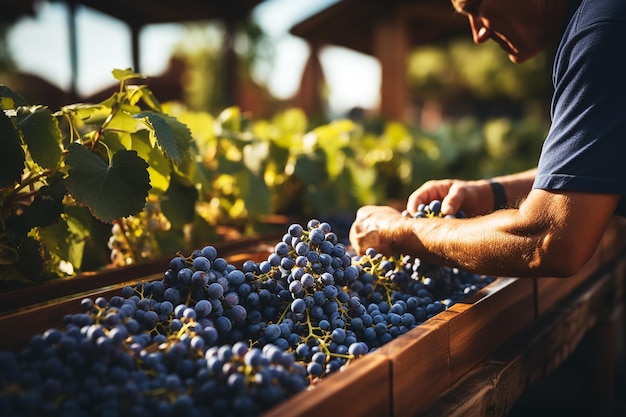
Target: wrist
(499,195)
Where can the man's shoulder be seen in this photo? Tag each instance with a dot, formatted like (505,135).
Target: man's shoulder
(596,11)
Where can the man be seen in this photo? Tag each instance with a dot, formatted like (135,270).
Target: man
(556,214)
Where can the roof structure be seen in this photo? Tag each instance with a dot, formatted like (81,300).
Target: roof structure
(352,23)
(144,12)
(139,13)
(13,9)
(386,30)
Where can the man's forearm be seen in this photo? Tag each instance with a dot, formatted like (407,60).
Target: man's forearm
(482,244)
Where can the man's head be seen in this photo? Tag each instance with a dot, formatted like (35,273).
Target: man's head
(522,28)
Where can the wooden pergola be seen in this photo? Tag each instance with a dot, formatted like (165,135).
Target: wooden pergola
(384,29)
(139,13)
(13,9)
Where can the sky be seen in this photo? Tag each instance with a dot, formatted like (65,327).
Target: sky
(38,46)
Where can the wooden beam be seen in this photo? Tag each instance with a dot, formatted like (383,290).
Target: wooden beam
(496,384)
(391,48)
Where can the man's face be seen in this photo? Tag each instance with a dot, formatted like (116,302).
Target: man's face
(519,27)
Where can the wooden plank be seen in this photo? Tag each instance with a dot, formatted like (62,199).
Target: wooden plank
(362,389)
(551,290)
(49,313)
(494,385)
(21,325)
(237,252)
(11,301)
(419,365)
(503,309)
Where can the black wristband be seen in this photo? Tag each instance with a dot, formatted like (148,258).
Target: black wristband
(499,195)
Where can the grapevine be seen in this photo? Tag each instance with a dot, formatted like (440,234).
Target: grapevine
(133,238)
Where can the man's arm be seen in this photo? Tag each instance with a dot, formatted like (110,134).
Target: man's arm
(551,234)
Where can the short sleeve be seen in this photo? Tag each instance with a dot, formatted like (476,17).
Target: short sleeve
(585,149)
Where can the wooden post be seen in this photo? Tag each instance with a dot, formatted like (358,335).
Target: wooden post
(73,42)
(391,47)
(309,95)
(135,30)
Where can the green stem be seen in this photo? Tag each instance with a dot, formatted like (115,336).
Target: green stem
(31,179)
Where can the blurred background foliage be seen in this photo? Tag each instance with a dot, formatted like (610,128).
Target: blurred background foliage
(474,114)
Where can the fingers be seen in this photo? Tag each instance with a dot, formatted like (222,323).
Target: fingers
(362,234)
(363,241)
(365,230)
(429,191)
(451,203)
(455,195)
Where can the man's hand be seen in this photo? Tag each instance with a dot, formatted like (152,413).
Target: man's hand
(366,230)
(472,197)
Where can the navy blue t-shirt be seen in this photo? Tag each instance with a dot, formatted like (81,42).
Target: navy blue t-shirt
(586,147)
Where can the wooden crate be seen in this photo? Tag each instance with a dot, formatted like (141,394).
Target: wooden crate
(92,281)
(487,319)
(362,389)
(44,306)
(426,361)
(416,368)
(419,365)
(403,378)
(493,386)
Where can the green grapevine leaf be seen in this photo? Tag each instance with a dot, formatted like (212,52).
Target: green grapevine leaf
(66,239)
(148,97)
(125,74)
(186,171)
(111,191)
(179,203)
(88,238)
(87,113)
(10,100)
(12,156)
(291,126)
(255,193)
(123,121)
(201,124)
(47,206)
(30,262)
(311,168)
(230,119)
(42,135)
(332,138)
(159,169)
(171,135)
(291,122)
(255,155)
(76,245)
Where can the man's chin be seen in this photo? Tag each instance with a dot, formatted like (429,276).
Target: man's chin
(517,59)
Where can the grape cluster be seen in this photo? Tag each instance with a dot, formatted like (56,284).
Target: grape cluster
(310,272)
(133,238)
(430,210)
(213,339)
